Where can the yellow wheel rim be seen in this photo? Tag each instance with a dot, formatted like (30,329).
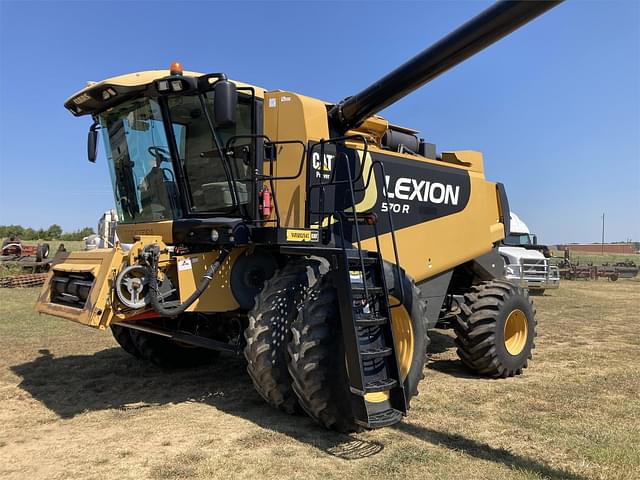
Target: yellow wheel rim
(516,332)
(403,337)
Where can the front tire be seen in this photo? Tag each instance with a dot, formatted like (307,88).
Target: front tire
(316,353)
(168,354)
(495,329)
(269,332)
(123,337)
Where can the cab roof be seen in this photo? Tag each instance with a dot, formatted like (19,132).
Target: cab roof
(90,99)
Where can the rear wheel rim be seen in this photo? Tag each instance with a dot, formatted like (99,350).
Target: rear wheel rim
(516,331)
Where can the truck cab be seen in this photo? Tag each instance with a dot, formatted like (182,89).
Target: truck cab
(525,263)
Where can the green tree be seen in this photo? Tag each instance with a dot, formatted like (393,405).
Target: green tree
(29,234)
(54,232)
(6,230)
(86,231)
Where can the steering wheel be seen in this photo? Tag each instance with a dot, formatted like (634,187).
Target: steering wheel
(161,154)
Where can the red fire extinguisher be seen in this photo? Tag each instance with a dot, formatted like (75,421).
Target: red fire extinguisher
(265,203)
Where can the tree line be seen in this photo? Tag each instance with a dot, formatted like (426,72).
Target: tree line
(54,232)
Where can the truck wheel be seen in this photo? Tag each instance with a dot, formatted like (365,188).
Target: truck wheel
(316,354)
(166,353)
(495,329)
(268,333)
(613,277)
(123,337)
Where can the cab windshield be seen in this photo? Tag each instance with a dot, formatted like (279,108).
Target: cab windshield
(518,239)
(142,171)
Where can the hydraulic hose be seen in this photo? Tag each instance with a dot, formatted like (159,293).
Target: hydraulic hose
(153,253)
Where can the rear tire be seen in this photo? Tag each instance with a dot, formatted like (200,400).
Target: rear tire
(495,329)
(123,337)
(316,355)
(269,332)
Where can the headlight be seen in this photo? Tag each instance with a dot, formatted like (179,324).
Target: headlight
(214,235)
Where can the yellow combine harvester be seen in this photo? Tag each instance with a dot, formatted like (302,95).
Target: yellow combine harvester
(318,238)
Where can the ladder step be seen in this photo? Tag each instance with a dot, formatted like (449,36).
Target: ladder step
(369,320)
(371,353)
(380,385)
(385,418)
(366,260)
(360,289)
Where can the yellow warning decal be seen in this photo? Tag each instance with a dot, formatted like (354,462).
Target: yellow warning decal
(294,235)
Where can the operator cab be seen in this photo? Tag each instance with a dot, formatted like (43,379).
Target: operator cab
(179,147)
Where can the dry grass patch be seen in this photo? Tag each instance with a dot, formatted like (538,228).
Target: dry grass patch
(73,405)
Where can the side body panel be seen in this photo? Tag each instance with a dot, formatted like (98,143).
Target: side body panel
(444,212)
(218,297)
(288,116)
(438,240)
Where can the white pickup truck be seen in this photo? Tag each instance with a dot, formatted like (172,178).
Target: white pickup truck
(525,263)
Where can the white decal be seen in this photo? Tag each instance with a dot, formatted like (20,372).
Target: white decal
(272,102)
(322,169)
(184,264)
(421,190)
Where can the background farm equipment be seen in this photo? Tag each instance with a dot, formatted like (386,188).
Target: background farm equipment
(571,271)
(618,270)
(23,281)
(30,257)
(23,265)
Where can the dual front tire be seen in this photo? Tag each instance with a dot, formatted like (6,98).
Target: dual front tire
(303,366)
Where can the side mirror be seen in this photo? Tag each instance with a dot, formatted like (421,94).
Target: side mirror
(92,143)
(535,239)
(224,103)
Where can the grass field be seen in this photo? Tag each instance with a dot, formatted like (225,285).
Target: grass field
(73,405)
(70,245)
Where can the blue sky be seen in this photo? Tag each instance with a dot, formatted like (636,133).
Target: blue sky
(554,107)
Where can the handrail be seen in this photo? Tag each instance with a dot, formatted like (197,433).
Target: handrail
(350,182)
(271,178)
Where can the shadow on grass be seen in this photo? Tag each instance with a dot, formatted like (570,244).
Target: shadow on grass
(111,379)
(441,343)
(483,451)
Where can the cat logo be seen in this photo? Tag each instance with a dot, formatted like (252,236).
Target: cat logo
(322,168)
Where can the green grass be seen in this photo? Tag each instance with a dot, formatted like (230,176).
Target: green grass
(70,245)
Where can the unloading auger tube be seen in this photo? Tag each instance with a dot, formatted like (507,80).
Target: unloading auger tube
(478,33)
(150,256)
